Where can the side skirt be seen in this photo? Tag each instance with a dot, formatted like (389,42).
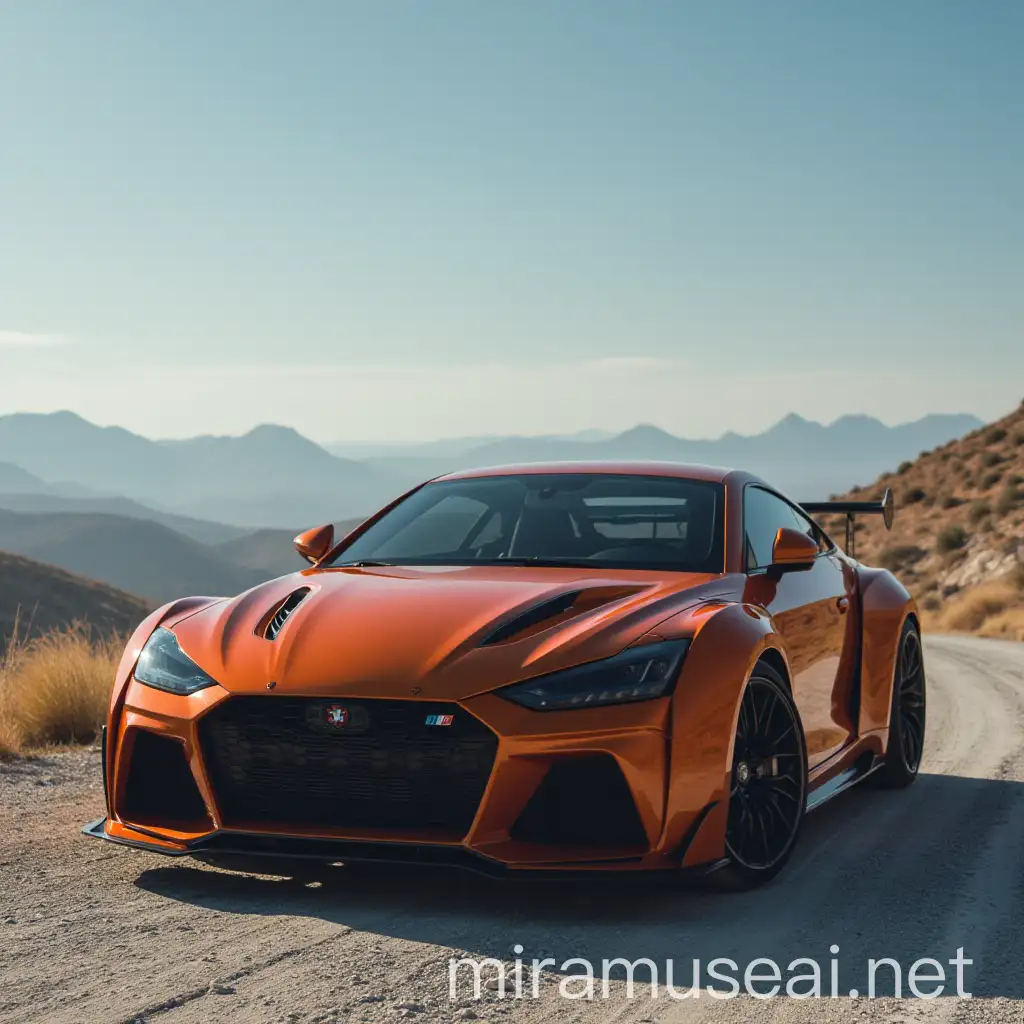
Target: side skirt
(857,772)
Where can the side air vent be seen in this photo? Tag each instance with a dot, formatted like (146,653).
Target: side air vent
(527,620)
(277,620)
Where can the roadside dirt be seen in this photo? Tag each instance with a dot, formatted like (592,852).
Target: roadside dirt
(92,932)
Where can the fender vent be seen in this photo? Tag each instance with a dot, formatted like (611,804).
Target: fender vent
(277,620)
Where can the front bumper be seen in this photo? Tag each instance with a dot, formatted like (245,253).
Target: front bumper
(254,846)
(530,745)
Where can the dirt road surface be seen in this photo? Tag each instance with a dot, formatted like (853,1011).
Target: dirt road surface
(93,932)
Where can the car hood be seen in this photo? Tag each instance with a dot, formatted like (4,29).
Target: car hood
(439,632)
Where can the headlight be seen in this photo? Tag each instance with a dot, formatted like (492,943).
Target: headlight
(164,665)
(638,673)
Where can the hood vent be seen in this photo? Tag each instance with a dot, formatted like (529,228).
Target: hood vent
(278,619)
(531,618)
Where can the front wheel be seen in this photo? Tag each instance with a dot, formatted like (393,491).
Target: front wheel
(768,793)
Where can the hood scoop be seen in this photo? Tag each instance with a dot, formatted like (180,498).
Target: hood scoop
(554,611)
(270,628)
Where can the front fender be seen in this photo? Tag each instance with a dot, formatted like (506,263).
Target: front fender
(727,643)
(168,614)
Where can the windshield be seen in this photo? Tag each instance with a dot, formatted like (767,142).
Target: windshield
(593,520)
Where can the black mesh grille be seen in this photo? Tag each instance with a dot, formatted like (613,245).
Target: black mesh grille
(582,801)
(334,763)
(161,789)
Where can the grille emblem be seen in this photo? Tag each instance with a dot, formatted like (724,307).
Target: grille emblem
(336,716)
(440,719)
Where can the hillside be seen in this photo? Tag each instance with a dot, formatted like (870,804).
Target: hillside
(202,530)
(135,555)
(43,597)
(958,538)
(15,480)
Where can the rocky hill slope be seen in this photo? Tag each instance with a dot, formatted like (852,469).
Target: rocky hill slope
(958,538)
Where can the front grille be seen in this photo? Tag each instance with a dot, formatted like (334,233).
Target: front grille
(281,760)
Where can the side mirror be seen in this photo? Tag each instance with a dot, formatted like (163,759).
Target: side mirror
(793,550)
(315,543)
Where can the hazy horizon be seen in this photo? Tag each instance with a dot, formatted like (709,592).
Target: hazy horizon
(401,222)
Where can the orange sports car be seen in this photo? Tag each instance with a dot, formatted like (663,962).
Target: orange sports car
(550,668)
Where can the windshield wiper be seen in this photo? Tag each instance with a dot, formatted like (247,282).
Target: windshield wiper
(365,564)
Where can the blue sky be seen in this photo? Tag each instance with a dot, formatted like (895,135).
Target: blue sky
(393,220)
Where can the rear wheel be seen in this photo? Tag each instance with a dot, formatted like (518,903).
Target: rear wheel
(906,715)
(768,792)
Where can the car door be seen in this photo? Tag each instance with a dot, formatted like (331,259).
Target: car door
(813,611)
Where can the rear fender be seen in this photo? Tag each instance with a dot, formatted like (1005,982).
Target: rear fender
(886,605)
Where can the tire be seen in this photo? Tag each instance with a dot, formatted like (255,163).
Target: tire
(768,795)
(906,715)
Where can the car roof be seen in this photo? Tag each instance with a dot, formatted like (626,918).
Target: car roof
(687,471)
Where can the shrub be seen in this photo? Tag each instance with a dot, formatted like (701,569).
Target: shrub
(1008,500)
(990,480)
(903,467)
(979,509)
(931,603)
(1016,576)
(900,556)
(56,688)
(951,501)
(951,538)
(989,459)
(914,495)
(995,435)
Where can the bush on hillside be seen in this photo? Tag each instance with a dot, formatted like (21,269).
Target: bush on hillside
(951,538)
(979,509)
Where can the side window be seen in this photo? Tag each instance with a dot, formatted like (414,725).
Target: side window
(763,515)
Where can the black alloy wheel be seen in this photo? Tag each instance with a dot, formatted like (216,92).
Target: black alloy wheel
(907,715)
(768,793)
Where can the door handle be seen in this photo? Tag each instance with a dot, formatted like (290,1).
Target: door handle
(842,603)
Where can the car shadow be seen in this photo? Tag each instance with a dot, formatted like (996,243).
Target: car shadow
(901,875)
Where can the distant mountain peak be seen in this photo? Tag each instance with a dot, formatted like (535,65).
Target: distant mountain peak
(274,430)
(643,431)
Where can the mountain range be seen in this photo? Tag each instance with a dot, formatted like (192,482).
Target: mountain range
(215,515)
(272,476)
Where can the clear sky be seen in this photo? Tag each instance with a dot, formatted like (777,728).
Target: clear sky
(387,220)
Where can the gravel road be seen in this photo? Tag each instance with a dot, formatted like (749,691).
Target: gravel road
(92,932)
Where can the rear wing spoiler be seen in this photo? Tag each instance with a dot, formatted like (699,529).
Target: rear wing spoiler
(886,508)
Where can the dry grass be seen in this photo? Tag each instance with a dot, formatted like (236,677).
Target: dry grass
(54,689)
(990,609)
